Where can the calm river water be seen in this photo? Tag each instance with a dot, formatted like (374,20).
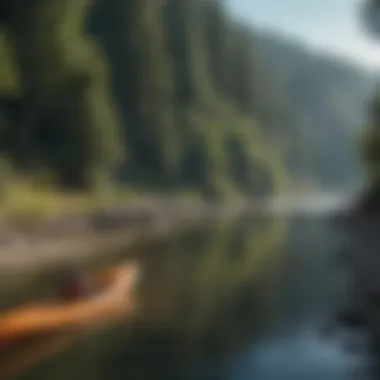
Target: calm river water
(237,300)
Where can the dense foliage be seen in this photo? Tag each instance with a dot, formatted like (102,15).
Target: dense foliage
(158,93)
(370,138)
(165,94)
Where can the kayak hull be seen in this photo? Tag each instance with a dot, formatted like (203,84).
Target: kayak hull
(111,297)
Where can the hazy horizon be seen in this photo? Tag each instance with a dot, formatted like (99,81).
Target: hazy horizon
(329,26)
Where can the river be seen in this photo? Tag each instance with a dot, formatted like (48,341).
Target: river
(249,298)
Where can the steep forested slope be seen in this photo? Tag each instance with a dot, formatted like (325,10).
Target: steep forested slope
(166,94)
(331,97)
(170,94)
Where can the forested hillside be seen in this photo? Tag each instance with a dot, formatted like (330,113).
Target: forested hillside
(163,95)
(169,94)
(332,99)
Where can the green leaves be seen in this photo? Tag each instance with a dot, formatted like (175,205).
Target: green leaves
(9,70)
(166,90)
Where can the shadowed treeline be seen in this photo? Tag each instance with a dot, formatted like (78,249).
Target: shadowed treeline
(168,95)
(159,94)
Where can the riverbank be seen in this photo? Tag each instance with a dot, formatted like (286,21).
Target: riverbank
(74,239)
(78,236)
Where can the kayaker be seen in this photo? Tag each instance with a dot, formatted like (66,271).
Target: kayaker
(76,284)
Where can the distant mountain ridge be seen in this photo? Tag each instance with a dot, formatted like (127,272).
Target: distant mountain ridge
(330,96)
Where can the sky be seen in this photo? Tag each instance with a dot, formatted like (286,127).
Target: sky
(331,25)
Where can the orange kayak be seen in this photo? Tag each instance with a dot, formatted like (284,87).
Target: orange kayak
(15,363)
(113,297)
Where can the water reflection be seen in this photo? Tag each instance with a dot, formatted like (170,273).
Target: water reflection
(230,300)
(303,356)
